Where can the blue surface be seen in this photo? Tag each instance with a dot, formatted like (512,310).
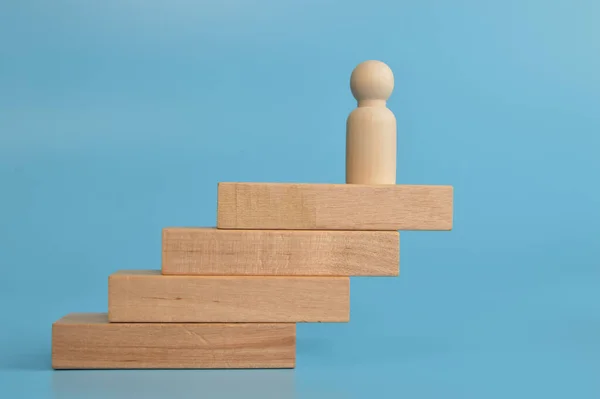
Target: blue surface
(119,118)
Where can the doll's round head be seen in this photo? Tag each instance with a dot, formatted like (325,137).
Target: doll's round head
(372,80)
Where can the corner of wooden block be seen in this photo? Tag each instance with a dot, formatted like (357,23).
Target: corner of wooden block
(220,221)
(110,314)
(224,187)
(55,364)
(110,295)
(163,246)
(223,192)
(451,221)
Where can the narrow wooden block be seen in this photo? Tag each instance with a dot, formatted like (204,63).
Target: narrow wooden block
(209,251)
(89,341)
(148,296)
(282,206)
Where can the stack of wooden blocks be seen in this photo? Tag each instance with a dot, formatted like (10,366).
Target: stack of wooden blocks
(230,296)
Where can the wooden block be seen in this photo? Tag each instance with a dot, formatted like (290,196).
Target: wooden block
(280,206)
(148,296)
(209,251)
(89,341)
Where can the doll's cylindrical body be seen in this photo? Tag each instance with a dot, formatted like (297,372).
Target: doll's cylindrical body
(371,146)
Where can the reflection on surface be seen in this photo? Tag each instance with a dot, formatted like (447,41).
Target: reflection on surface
(149,384)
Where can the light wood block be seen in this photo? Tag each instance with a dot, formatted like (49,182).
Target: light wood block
(148,296)
(282,206)
(209,251)
(89,341)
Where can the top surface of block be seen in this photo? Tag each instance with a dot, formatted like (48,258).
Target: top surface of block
(84,318)
(295,206)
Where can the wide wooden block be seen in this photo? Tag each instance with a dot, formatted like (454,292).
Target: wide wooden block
(283,206)
(89,341)
(209,251)
(148,296)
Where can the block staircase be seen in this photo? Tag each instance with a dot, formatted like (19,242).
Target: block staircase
(230,296)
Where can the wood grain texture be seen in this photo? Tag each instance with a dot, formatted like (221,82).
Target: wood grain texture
(209,251)
(291,206)
(89,341)
(148,296)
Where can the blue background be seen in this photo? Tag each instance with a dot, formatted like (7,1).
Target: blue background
(118,118)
